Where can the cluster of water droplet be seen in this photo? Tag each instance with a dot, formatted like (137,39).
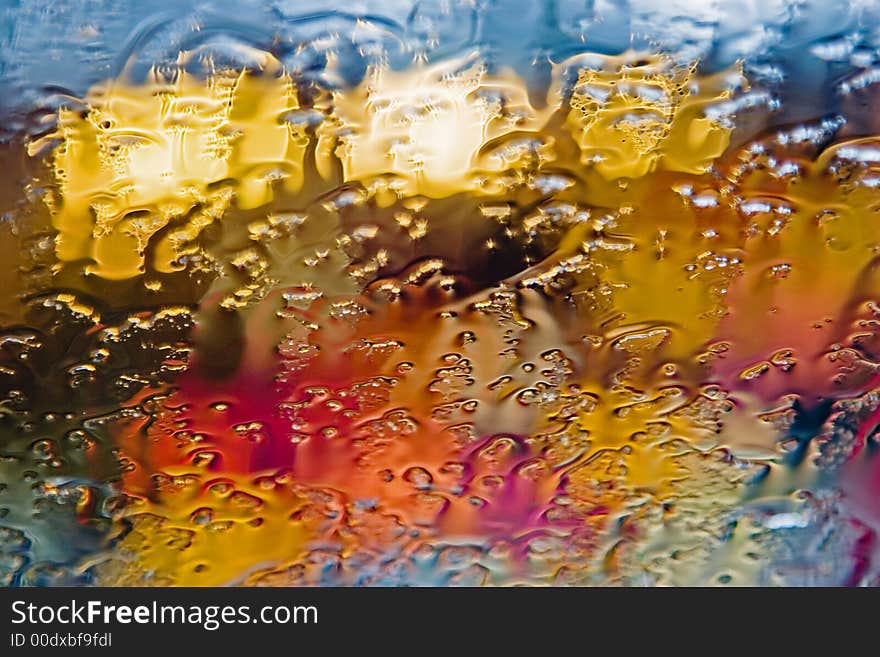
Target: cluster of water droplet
(377,309)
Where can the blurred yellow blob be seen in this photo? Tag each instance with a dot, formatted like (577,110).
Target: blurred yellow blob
(205,533)
(147,167)
(425,128)
(146,155)
(631,114)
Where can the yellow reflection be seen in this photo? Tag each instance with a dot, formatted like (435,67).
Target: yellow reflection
(631,114)
(145,156)
(149,166)
(199,533)
(424,128)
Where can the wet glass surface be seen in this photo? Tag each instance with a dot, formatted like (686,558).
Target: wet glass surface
(439,293)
